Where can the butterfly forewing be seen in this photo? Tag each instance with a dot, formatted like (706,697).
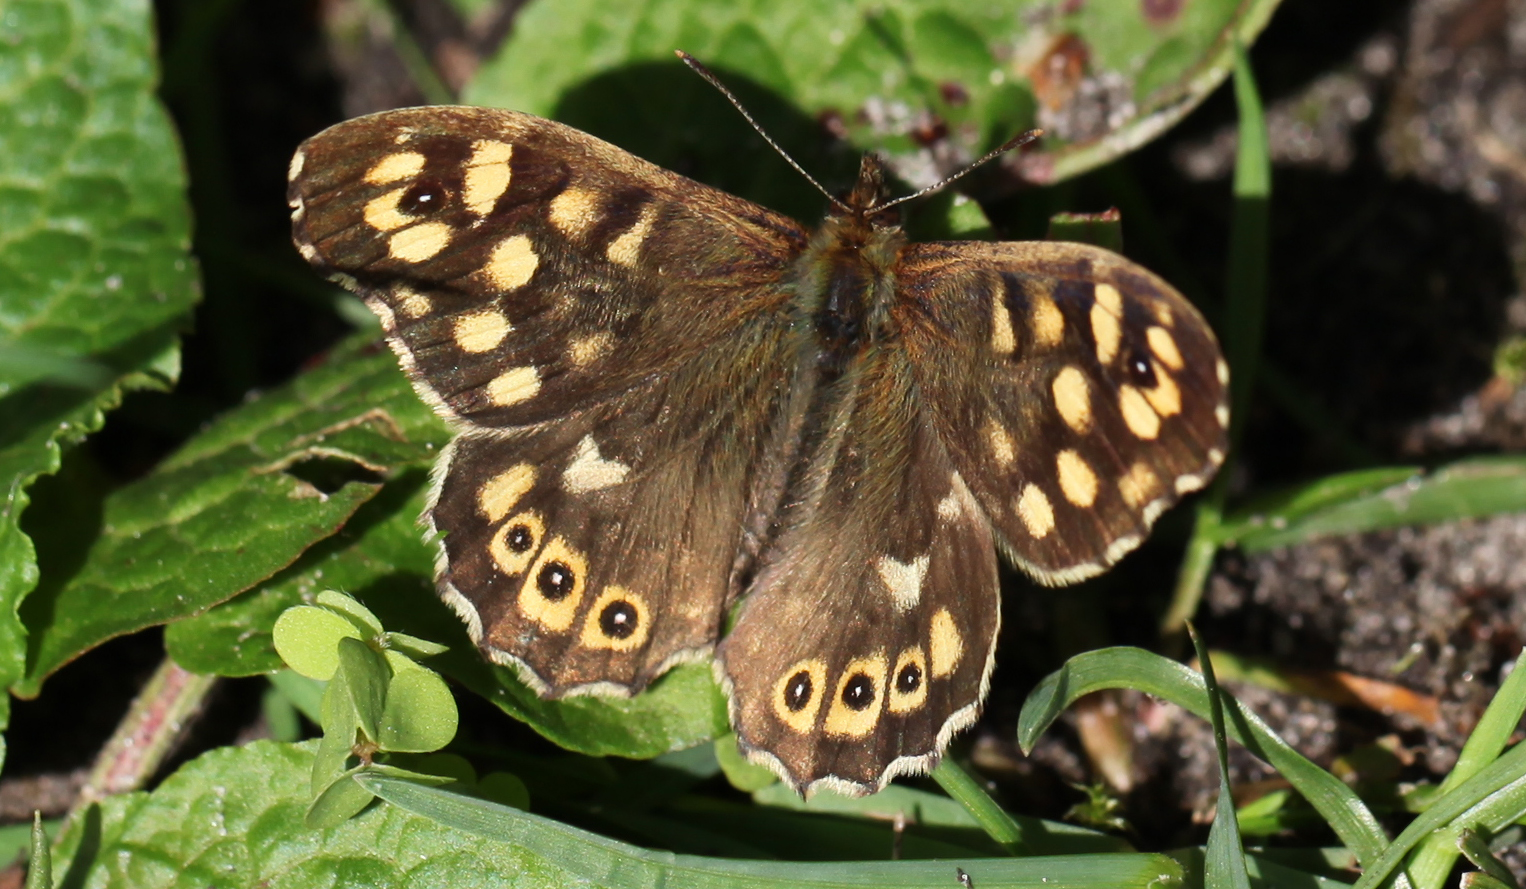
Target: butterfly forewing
(522,268)
(1078,394)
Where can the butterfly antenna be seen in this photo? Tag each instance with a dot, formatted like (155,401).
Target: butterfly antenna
(714,81)
(1017,141)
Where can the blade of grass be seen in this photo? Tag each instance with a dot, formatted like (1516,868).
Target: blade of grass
(611,863)
(1432,862)
(1136,668)
(1244,311)
(959,784)
(1224,858)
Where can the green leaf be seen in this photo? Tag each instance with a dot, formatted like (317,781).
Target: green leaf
(358,689)
(879,68)
(1477,851)
(607,862)
(743,775)
(307,639)
(420,715)
(232,507)
(351,610)
(1373,499)
(340,801)
(1224,856)
(96,278)
(1135,668)
(39,871)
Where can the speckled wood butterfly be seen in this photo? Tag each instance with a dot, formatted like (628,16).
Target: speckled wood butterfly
(678,411)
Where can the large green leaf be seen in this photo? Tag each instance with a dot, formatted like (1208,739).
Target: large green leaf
(1100,78)
(96,278)
(236,504)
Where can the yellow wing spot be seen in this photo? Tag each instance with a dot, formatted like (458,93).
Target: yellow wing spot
(618,620)
(419,242)
(516,542)
(1137,413)
(575,211)
(498,497)
(1034,509)
(944,644)
(1164,346)
(855,708)
(1048,323)
(481,331)
(1222,369)
(1072,398)
(798,694)
(402,165)
(413,303)
(908,681)
(487,175)
(1163,313)
(1221,413)
(590,471)
(1139,485)
(1077,480)
(626,249)
(582,351)
(1003,338)
(382,214)
(1166,398)
(1001,444)
(514,386)
(512,264)
(1107,329)
(553,586)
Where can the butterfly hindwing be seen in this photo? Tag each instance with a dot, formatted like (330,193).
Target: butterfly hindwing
(866,638)
(1078,394)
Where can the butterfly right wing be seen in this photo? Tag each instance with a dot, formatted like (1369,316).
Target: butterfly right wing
(607,338)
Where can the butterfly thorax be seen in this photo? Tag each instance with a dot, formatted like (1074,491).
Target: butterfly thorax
(848,270)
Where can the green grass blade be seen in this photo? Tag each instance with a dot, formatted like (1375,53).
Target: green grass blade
(959,784)
(1432,862)
(1136,668)
(1224,859)
(607,862)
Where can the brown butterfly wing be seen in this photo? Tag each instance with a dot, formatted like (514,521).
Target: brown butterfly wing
(1078,394)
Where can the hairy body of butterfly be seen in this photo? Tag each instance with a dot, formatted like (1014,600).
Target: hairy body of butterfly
(674,406)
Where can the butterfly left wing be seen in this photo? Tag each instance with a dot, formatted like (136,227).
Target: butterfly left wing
(867,634)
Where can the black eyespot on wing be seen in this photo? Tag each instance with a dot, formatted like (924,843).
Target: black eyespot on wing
(1138,366)
(520,538)
(797,692)
(909,679)
(555,581)
(858,693)
(618,619)
(424,197)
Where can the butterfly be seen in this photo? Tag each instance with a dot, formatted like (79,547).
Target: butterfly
(686,427)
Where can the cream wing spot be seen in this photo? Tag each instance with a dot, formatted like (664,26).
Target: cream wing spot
(1077,480)
(1003,338)
(945,646)
(908,681)
(1048,323)
(412,303)
(1034,509)
(402,165)
(1000,441)
(503,491)
(515,543)
(590,471)
(382,214)
(1221,369)
(298,161)
(575,211)
(855,708)
(1072,398)
(1107,328)
(1137,413)
(903,579)
(481,331)
(626,249)
(487,175)
(420,242)
(1165,398)
(583,351)
(1139,485)
(512,263)
(1221,413)
(798,694)
(514,386)
(554,585)
(1164,346)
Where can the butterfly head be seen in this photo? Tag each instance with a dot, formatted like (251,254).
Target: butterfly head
(866,202)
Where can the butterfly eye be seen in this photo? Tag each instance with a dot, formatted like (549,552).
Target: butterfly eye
(555,581)
(1140,370)
(618,619)
(424,197)
(520,538)
(797,693)
(858,694)
(909,679)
